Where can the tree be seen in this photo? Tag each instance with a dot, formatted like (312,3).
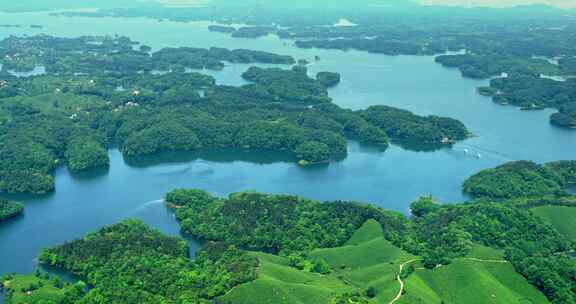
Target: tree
(423,206)
(371,292)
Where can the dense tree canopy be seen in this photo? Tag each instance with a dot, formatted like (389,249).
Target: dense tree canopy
(131,263)
(532,92)
(9,209)
(276,222)
(533,247)
(403,125)
(521,178)
(293,86)
(328,79)
(93,54)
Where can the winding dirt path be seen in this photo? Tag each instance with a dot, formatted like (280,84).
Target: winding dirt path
(402,285)
(486,261)
(399,279)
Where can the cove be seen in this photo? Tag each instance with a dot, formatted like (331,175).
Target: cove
(391,179)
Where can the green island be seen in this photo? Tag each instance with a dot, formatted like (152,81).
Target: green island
(522,178)
(9,209)
(100,92)
(535,91)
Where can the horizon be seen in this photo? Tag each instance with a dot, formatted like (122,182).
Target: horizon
(500,3)
(461,3)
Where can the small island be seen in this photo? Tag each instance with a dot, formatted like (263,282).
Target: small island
(522,178)
(9,210)
(222,29)
(532,92)
(253,31)
(132,263)
(328,79)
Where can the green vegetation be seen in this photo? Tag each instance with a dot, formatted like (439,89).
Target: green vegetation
(439,234)
(103,91)
(531,91)
(486,66)
(222,29)
(367,261)
(253,31)
(9,209)
(362,270)
(130,263)
(92,55)
(328,79)
(84,153)
(491,282)
(365,270)
(278,282)
(450,230)
(533,247)
(485,253)
(278,223)
(405,126)
(40,289)
(35,142)
(562,218)
(292,86)
(522,178)
(336,252)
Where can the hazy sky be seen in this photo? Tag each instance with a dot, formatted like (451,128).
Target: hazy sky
(495,3)
(502,3)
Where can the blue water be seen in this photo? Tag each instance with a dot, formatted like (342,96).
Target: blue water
(391,179)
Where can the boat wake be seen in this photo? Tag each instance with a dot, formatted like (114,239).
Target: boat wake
(479,152)
(148,205)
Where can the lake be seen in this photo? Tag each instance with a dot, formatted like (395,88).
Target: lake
(391,179)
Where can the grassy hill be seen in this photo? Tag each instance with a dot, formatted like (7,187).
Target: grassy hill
(491,282)
(562,218)
(279,283)
(367,260)
(29,289)
(483,270)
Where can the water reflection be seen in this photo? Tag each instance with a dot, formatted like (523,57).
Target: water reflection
(422,147)
(261,157)
(90,174)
